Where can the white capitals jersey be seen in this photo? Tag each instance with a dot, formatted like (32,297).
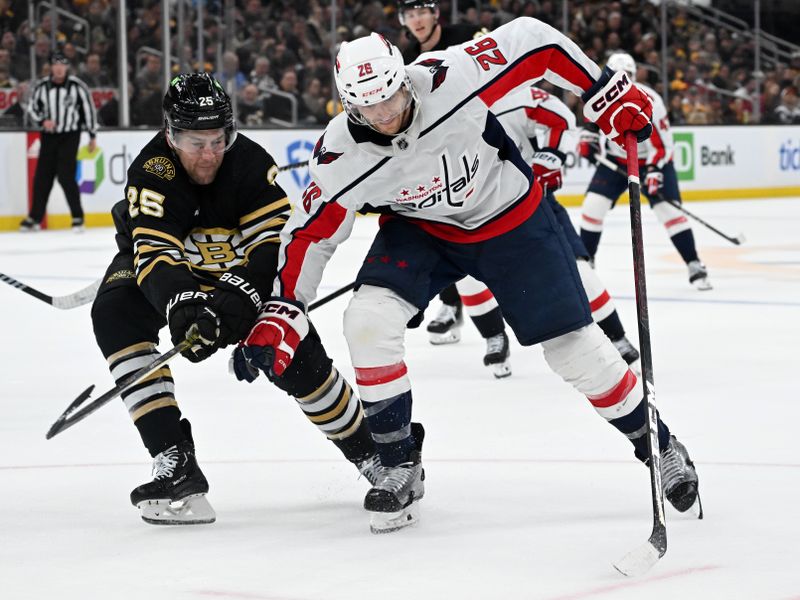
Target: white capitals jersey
(536,120)
(454,172)
(658,148)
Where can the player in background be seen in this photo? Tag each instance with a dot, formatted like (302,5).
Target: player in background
(420,143)
(660,182)
(198,239)
(421,20)
(544,130)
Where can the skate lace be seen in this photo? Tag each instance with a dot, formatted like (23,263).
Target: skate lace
(397,478)
(673,468)
(697,268)
(370,468)
(446,314)
(165,462)
(495,344)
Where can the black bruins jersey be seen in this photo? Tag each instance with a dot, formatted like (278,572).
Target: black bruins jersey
(184,236)
(452,35)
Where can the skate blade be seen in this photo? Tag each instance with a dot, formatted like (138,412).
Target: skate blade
(449,337)
(501,370)
(696,509)
(192,510)
(387,522)
(703,284)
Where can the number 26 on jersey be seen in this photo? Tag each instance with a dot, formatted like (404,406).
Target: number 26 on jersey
(486,52)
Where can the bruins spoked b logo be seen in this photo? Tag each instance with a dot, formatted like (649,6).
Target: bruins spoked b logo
(160,166)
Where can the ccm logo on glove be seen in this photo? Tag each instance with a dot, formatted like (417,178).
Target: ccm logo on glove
(613,91)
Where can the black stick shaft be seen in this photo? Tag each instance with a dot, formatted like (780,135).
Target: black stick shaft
(331,296)
(26,288)
(659,523)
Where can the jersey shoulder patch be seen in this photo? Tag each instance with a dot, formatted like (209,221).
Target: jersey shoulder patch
(160,166)
(437,69)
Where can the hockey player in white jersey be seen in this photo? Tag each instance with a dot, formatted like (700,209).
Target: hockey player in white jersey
(420,144)
(660,182)
(545,131)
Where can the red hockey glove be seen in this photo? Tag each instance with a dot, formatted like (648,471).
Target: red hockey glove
(617,105)
(654,180)
(546,166)
(281,325)
(589,146)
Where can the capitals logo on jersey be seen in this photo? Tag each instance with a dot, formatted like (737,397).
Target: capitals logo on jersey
(453,184)
(321,154)
(437,69)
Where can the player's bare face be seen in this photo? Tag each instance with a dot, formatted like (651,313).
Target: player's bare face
(420,22)
(201,153)
(389,117)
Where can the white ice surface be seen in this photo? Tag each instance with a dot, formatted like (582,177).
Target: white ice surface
(530,495)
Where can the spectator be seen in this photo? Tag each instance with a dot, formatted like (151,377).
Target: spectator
(788,111)
(260,76)
(93,74)
(279,107)
(250,108)
(315,101)
(150,79)
(230,76)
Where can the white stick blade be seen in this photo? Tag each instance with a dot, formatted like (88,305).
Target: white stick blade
(741,239)
(639,560)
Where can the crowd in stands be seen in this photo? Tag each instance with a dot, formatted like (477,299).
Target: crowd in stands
(277,59)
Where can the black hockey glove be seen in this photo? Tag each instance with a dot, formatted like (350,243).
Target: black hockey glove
(247,362)
(190,311)
(237,302)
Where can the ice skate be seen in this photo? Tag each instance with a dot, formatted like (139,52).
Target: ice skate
(370,468)
(698,275)
(392,502)
(28,225)
(445,328)
(176,496)
(629,353)
(497,353)
(679,478)
(77,226)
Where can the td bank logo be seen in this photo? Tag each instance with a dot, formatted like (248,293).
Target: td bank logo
(91,171)
(686,159)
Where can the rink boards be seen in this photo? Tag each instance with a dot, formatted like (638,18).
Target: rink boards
(713,162)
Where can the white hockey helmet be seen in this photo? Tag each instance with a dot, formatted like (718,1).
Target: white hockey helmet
(369,70)
(621,61)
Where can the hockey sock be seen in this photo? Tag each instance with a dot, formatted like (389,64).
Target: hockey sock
(489,324)
(593,213)
(160,429)
(612,327)
(684,244)
(602,306)
(634,427)
(449,295)
(591,239)
(390,423)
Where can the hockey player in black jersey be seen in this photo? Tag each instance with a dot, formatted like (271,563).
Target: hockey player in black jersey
(198,237)
(421,20)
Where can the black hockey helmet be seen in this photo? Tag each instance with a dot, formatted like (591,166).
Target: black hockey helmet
(197,101)
(404,5)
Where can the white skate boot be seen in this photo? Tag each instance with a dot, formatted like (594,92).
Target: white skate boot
(445,328)
(497,353)
(698,276)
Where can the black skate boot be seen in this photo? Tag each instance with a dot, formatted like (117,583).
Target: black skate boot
(392,501)
(445,328)
(28,225)
(176,496)
(679,478)
(628,352)
(698,275)
(497,353)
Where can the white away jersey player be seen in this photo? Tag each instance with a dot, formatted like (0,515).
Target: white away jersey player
(536,120)
(658,149)
(454,172)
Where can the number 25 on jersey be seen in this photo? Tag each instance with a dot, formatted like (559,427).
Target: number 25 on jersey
(148,203)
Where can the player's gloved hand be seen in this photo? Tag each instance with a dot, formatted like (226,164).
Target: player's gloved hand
(247,362)
(589,145)
(237,302)
(282,325)
(546,166)
(617,106)
(190,312)
(653,180)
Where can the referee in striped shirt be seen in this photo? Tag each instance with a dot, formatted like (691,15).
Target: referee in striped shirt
(63,107)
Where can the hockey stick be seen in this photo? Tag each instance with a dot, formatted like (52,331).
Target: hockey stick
(69,417)
(738,239)
(74,300)
(291,166)
(641,559)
